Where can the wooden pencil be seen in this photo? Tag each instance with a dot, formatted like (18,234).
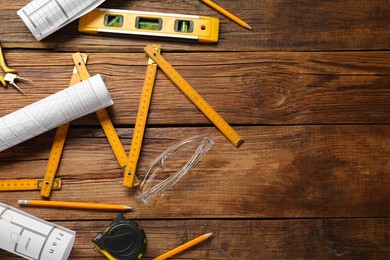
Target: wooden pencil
(73,205)
(183,247)
(227,14)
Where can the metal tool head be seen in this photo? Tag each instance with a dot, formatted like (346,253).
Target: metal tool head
(11,77)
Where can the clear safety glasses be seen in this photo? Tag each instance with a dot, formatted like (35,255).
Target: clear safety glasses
(170,166)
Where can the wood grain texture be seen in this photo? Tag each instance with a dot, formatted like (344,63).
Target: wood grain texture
(279,172)
(278,25)
(257,88)
(308,89)
(251,239)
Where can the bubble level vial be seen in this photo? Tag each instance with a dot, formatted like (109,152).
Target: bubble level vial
(151,24)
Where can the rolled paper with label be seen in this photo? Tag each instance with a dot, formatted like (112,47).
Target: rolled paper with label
(45,17)
(33,238)
(62,107)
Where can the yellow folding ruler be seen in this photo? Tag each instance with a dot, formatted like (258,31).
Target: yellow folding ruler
(58,144)
(81,73)
(26,184)
(140,123)
(104,119)
(150,24)
(156,59)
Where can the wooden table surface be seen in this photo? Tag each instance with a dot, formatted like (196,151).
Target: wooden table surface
(308,89)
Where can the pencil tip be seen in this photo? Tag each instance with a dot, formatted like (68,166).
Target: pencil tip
(248,27)
(128,208)
(208,235)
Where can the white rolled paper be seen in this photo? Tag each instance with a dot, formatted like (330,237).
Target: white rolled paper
(62,107)
(47,16)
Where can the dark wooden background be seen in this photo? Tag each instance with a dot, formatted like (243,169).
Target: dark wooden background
(308,89)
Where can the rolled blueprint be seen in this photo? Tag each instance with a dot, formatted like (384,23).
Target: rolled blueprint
(62,107)
(44,17)
(33,238)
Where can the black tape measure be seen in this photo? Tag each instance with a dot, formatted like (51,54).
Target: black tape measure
(123,240)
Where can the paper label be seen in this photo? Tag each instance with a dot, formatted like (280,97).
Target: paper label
(33,238)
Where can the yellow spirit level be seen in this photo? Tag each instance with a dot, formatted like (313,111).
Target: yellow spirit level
(171,26)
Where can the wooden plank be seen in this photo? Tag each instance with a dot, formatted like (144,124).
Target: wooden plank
(279,172)
(308,90)
(249,239)
(278,25)
(257,88)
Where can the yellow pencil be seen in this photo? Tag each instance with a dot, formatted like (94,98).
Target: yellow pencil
(227,13)
(73,205)
(183,247)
